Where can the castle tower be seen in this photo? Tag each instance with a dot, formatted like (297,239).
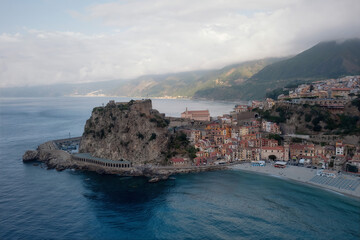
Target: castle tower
(286,151)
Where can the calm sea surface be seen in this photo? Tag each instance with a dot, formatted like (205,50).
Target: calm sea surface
(36,203)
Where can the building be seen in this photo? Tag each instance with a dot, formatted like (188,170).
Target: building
(302,151)
(241,108)
(200,115)
(340,92)
(270,127)
(339,148)
(178,161)
(257,104)
(278,152)
(249,154)
(269,103)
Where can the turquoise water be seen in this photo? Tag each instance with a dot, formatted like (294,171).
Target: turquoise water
(36,203)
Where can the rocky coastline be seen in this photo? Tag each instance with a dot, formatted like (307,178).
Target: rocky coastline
(60,160)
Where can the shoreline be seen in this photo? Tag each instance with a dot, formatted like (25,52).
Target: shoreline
(298,174)
(60,160)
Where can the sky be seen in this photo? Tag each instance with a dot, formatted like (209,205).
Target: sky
(66,41)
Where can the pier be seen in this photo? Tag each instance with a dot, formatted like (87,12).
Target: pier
(69,145)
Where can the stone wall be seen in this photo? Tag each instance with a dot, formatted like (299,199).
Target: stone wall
(185,122)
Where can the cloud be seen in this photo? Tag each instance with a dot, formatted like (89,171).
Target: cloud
(151,37)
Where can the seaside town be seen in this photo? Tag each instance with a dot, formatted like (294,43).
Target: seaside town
(242,139)
(242,135)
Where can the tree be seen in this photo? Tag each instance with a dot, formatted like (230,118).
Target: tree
(272,157)
(311,88)
(276,137)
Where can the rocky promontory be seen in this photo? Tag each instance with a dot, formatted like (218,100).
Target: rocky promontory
(131,131)
(50,155)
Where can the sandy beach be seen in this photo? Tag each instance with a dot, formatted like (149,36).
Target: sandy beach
(306,175)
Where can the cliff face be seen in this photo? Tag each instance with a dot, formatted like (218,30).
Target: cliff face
(131,131)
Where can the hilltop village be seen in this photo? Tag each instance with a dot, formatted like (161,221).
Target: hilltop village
(332,93)
(244,135)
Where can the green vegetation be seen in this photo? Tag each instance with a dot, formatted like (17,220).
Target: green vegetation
(152,137)
(192,151)
(296,140)
(98,109)
(317,128)
(317,119)
(276,92)
(267,116)
(283,112)
(348,124)
(100,134)
(160,121)
(140,136)
(356,103)
(276,137)
(325,60)
(123,107)
(308,117)
(179,144)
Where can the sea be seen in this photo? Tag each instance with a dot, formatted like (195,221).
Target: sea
(36,203)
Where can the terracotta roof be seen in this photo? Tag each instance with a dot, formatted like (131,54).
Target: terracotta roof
(301,146)
(273,148)
(177,159)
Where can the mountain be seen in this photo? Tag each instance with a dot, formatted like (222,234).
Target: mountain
(186,84)
(183,84)
(248,80)
(324,60)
